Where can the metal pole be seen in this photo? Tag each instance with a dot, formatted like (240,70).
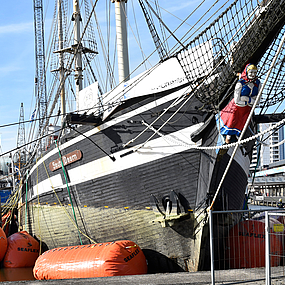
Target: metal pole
(61,61)
(78,56)
(212,246)
(13,172)
(267,250)
(122,42)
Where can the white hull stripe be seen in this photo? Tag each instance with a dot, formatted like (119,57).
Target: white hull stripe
(153,150)
(115,121)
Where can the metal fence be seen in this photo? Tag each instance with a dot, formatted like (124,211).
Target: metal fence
(274,235)
(242,243)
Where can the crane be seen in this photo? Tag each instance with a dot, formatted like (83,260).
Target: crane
(40,76)
(21,141)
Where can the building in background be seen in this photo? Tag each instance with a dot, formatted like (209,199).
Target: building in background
(268,151)
(266,184)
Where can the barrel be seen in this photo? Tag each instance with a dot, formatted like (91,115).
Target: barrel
(23,250)
(117,258)
(246,244)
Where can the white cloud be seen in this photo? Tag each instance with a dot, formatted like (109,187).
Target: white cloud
(7,69)
(172,7)
(16,28)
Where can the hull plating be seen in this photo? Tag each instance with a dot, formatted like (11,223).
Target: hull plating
(130,198)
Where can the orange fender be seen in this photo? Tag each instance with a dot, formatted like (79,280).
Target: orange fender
(3,244)
(23,250)
(122,257)
(246,245)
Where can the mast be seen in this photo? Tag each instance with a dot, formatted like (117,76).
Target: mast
(76,50)
(61,62)
(122,43)
(77,45)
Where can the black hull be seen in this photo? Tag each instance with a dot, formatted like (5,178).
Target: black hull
(153,185)
(115,200)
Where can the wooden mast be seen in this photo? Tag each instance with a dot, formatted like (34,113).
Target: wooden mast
(122,42)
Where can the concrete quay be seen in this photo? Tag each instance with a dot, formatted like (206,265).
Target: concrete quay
(240,276)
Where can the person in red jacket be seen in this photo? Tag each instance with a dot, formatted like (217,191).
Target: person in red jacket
(235,114)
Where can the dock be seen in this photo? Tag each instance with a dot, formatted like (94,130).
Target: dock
(241,276)
(268,201)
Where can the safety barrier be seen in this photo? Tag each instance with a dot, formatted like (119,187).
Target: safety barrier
(242,243)
(273,272)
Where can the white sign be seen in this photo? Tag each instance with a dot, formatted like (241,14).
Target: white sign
(88,99)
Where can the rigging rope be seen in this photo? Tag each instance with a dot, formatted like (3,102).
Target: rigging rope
(38,215)
(62,206)
(69,194)
(26,206)
(214,31)
(224,146)
(247,122)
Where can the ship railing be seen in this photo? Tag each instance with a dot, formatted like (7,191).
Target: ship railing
(247,246)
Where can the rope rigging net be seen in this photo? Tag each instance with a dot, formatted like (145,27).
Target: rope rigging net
(239,35)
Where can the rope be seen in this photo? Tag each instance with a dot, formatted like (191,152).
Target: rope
(12,201)
(38,197)
(26,206)
(248,121)
(69,194)
(255,169)
(224,146)
(67,214)
(160,116)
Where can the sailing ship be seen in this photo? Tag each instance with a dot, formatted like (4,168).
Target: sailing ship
(142,160)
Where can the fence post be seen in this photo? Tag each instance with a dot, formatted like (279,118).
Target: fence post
(212,246)
(267,250)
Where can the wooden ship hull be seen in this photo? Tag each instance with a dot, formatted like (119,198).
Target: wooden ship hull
(156,190)
(155,197)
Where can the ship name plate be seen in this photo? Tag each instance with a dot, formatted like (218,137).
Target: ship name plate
(66,159)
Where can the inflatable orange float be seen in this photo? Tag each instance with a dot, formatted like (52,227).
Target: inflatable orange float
(122,257)
(3,244)
(23,250)
(246,244)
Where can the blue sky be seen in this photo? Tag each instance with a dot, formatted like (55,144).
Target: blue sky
(17,49)
(17,63)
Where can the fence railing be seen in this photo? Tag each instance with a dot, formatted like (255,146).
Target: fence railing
(274,231)
(242,243)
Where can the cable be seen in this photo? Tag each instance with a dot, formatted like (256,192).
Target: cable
(65,177)
(62,206)
(111,157)
(17,148)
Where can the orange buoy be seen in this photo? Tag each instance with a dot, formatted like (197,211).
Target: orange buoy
(246,245)
(122,257)
(23,250)
(3,244)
